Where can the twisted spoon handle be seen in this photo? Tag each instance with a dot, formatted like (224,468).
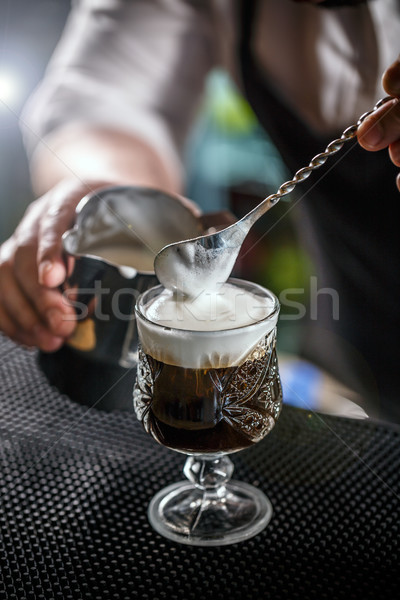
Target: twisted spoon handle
(302,174)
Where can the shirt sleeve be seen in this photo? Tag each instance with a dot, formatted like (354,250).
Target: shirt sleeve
(137,66)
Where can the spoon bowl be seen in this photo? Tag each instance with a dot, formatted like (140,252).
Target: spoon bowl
(205,262)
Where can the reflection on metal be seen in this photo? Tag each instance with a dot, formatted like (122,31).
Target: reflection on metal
(97,366)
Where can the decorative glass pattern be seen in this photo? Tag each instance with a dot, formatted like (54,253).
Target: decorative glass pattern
(238,404)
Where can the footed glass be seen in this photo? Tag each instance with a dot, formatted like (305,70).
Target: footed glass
(224,397)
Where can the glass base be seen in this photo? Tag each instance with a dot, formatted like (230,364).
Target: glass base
(232,513)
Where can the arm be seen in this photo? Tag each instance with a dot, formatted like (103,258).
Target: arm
(382,129)
(89,153)
(32,311)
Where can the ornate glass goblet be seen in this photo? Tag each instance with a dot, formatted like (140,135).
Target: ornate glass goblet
(208,394)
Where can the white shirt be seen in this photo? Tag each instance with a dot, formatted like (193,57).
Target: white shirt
(140,65)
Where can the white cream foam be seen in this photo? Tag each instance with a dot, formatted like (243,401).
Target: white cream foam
(226,308)
(189,268)
(214,329)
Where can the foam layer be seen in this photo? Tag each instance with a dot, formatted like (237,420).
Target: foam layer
(226,308)
(215,330)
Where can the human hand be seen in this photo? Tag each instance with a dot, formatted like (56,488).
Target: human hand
(33,311)
(382,128)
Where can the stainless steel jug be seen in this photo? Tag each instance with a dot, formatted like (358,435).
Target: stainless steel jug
(112,246)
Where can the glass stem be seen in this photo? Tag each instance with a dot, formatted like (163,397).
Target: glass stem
(209,473)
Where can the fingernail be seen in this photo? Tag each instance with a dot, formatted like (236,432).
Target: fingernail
(54,318)
(373,136)
(44,268)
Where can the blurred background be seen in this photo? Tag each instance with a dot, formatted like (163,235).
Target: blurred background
(231,165)
(29,32)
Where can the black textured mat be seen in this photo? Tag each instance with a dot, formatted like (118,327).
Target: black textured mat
(75,484)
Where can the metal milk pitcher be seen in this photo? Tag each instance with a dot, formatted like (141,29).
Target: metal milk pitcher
(117,233)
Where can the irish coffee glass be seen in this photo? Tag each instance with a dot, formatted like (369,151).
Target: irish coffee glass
(221,395)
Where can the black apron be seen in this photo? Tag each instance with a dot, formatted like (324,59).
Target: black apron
(348,223)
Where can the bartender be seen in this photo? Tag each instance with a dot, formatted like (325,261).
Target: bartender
(115,107)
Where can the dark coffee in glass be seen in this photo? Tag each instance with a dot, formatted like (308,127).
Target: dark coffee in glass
(208,392)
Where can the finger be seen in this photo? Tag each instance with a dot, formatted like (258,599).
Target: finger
(190,205)
(51,265)
(56,312)
(394,153)
(391,79)
(382,128)
(15,303)
(10,329)
(59,314)
(60,216)
(21,321)
(52,309)
(37,337)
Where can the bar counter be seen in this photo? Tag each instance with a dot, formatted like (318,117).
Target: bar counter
(75,484)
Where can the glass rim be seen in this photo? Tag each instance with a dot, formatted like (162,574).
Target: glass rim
(203,332)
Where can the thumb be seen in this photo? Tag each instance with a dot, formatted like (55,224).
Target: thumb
(55,220)
(57,217)
(52,272)
(50,259)
(391,79)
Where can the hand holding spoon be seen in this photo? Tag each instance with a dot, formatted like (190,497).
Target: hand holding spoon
(205,262)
